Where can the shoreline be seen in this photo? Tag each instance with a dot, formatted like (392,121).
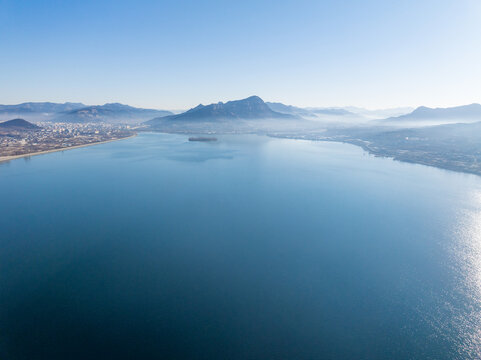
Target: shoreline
(14,157)
(367,149)
(455,169)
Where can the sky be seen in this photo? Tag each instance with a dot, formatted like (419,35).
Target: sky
(177,54)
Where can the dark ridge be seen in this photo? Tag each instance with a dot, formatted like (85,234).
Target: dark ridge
(202,138)
(18,124)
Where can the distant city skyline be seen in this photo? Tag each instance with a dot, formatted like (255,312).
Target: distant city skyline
(177,54)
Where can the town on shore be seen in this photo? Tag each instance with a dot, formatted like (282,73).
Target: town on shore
(19,137)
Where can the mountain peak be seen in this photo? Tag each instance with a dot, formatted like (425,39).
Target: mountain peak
(254,98)
(252,107)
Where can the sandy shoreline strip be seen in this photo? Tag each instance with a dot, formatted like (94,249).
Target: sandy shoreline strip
(13,157)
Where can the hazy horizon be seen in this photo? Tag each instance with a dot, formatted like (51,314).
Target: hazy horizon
(213,102)
(346,106)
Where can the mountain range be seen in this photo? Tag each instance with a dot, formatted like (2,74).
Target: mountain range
(462,113)
(108,113)
(246,109)
(39,107)
(79,113)
(250,108)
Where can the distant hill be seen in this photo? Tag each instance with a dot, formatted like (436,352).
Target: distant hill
(459,113)
(379,113)
(108,113)
(288,109)
(309,112)
(18,124)
(39,107)
(250,108)
(331,111)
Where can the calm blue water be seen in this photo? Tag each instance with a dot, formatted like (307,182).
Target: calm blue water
(248,248)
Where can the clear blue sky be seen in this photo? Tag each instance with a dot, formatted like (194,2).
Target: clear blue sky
(176,54)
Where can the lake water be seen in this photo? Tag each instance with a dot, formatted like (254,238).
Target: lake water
(246,248)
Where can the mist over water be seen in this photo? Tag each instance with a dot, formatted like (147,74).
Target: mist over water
(248,247)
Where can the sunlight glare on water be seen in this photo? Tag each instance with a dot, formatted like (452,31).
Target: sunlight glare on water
(466,251)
